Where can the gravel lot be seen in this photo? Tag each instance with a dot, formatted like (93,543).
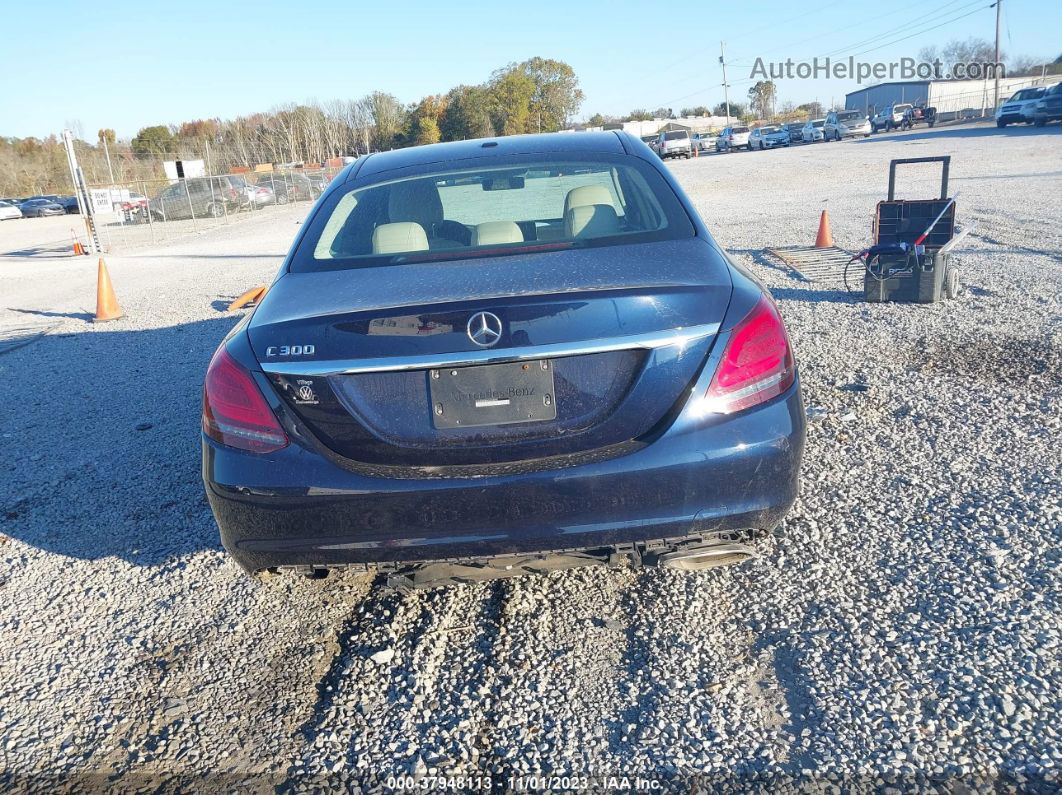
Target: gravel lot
(900,630)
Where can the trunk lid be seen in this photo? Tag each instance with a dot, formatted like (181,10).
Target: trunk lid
(352,351)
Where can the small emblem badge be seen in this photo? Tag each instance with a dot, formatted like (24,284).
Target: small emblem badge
(484,329)
(304,394)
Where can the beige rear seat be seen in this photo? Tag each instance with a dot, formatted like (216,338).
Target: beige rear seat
(496,232)
(594,220)
(399,237)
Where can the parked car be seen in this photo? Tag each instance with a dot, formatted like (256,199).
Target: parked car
(261,195)
(733,138)
(318,180)
(650,141)
(1020,108)
(674,143)
(404,399)
(704,142)
(844,124)
(795,130)
(195,197)
(890,117)
(288,186)
(38,208)
(768,137)
(9,211)
(69,204)
(1049,106)
(812,130)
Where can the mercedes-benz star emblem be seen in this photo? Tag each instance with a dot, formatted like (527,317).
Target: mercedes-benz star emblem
(484,329)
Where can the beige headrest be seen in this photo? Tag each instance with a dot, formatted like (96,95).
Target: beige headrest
(494,232)
(595,220)
(394,238)
(585,195)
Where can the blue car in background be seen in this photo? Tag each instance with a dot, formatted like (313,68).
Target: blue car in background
(493,357)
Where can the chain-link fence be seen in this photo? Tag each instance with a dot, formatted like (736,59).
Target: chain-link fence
(163,210)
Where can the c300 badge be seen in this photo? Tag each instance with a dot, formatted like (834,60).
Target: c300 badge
(304,394)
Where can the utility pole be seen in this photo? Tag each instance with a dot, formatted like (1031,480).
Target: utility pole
(726,92)
(999,8)
(107,152)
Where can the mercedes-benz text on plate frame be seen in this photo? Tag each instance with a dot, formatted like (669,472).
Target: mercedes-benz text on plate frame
(487,358)
(494,394)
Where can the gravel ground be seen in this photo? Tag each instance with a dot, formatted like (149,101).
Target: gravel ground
(901,629)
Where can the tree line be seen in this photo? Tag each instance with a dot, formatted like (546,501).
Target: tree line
(536,95)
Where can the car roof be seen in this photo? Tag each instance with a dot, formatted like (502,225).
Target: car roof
(547,143)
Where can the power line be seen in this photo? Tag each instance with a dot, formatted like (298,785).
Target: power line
(926,17)
(924,30)
(885,32)
(837,30)
(921,18)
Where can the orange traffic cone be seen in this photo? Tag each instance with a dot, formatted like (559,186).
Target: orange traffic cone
(78,248)
(106,302)
(824,238)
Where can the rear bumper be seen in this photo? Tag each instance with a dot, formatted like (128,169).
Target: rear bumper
(702,475)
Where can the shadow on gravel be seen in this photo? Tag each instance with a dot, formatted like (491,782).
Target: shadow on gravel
(797,690)
(85,315)
(100,447)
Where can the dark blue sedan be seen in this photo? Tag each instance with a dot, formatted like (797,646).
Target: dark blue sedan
(494,357)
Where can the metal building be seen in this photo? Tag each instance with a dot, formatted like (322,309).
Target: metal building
(952,98)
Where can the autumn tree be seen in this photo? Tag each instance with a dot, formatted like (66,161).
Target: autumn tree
(467,114)
(156,140)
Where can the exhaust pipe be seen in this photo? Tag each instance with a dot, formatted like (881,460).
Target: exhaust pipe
(710,556)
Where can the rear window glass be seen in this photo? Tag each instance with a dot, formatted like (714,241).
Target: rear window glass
(676,136)
(740,130)
(491,210)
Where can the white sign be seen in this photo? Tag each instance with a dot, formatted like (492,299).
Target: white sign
(100,199)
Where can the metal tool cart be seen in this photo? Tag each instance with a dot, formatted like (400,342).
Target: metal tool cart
(911,260)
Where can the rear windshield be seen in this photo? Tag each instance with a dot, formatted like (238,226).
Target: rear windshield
(676,136)
(848,115)
(737,130)
(490,210)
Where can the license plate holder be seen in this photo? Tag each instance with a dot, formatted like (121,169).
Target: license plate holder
(492,394)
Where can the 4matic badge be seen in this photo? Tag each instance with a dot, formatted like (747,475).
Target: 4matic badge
(304,394)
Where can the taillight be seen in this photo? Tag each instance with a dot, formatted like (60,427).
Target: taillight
(234,411)
(757,363)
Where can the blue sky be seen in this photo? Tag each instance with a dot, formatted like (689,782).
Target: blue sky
(129,65)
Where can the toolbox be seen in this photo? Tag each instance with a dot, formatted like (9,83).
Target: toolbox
(902,266)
